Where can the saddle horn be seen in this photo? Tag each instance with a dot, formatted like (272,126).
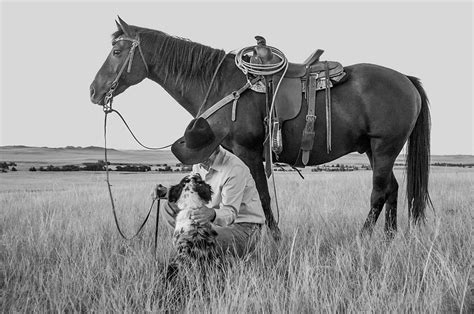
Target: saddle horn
(262,51)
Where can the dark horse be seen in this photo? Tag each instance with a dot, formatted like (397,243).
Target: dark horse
(375,112)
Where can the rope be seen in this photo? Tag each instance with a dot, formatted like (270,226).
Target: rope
(110,110)
(260,69)
(109,187)
(276,199)
(107,110)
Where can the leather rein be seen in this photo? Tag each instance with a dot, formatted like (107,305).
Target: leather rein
(107,107)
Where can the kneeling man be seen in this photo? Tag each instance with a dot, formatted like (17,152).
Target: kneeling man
(235,211)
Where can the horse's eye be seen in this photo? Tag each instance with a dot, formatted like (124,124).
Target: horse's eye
(116,52)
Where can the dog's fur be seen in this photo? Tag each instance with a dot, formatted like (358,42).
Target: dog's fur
(193,241)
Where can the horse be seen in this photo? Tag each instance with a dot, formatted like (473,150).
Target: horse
(376,111)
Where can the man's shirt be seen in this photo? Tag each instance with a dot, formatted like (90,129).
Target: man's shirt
(235,197)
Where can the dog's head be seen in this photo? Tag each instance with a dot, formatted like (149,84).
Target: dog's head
(190,185)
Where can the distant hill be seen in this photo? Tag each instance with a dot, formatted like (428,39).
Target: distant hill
(77,148)
(78,155)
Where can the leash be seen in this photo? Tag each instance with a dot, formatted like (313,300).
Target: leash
(111,110)
(109,187)
(107,108)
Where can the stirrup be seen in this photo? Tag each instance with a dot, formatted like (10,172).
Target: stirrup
(277,142)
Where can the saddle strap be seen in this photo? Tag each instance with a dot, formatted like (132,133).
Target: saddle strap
(307,139)
(328,110)
(267,145)
(234,97)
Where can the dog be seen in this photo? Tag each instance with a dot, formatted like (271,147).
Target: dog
(193,241)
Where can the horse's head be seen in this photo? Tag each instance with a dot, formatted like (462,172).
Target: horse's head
(125,65)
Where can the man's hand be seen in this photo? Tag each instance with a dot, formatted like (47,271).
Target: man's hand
(158,191)
(203,215)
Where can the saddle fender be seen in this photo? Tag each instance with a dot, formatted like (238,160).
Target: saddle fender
(288,99)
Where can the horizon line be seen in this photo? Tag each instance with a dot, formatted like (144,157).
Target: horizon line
(168,149)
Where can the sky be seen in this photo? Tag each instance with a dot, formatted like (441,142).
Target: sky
(51,51)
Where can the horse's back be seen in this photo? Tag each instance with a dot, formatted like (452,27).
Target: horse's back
(375,101)
(370,78)
(388,99)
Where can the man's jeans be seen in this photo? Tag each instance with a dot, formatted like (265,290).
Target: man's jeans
(238,239)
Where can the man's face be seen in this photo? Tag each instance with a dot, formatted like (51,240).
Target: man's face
(206,164)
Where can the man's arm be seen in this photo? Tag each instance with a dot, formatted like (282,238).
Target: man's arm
(203,215)
(169,213)
(231,197)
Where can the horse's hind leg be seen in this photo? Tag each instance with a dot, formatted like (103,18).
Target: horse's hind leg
(382,165)
(391,207)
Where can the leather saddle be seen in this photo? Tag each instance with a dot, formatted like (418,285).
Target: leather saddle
(294,84)
(300,79)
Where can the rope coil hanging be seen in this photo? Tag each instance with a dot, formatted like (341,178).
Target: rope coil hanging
(260,69)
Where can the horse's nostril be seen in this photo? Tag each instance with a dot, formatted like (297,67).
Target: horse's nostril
(92,91)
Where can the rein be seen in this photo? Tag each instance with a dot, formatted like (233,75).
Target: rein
(109,187)
(107,107)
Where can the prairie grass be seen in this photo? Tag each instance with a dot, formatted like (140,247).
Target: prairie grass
(60,250)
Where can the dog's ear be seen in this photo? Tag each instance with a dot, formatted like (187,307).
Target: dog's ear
(204,191)
(174,193)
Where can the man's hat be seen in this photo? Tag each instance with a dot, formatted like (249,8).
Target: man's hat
(197,144)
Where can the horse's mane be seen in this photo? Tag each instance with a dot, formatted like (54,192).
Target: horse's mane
(183,60)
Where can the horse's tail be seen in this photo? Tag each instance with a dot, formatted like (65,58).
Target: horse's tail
(418,159)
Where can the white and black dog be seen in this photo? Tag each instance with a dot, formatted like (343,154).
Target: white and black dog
(193,241)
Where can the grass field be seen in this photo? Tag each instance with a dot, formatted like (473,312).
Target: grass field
(60,250)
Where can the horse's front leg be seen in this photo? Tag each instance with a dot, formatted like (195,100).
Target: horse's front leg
(254,160)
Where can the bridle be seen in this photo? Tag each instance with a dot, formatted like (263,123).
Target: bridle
(108,99)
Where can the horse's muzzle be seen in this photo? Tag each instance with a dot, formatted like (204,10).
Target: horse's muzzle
(95,97)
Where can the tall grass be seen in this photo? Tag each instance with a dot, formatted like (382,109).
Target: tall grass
(60,251)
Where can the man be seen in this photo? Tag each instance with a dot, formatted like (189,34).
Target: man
(235,211)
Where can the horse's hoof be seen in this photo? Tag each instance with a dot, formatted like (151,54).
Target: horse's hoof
(276,233)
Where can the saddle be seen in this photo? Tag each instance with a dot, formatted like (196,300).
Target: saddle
(300,81)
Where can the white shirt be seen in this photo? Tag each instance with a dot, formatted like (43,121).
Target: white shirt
(235,197)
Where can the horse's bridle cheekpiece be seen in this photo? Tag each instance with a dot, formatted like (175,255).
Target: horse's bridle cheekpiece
(135,43)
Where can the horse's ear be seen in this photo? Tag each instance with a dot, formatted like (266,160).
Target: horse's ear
(119,28)
(124,26)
